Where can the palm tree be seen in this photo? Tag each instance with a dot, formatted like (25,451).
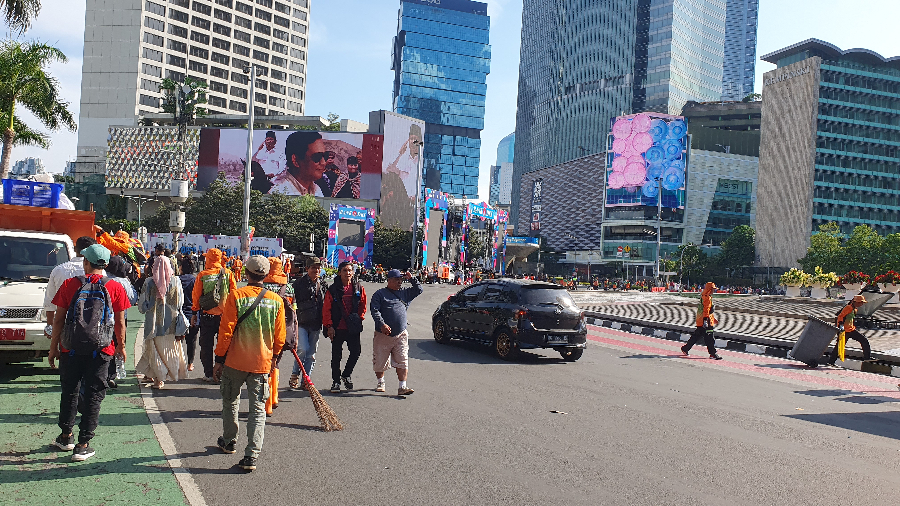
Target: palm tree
(20,13)
(24,82)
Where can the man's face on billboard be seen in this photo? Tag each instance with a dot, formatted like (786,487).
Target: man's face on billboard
(312,167)
(414,141)
(353,170)
(270,143)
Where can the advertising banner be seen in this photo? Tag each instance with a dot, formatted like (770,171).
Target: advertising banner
(295,162)
(403,137)
(351,235)
(646,153)
(435,227)
(536,207)
(515,241)
(229,244)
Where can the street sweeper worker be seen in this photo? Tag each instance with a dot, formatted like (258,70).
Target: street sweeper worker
(210,319)
(706,322)
(391,341)
(845,321)
(251,336)
(277,282)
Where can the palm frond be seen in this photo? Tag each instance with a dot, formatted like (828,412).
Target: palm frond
(20,13)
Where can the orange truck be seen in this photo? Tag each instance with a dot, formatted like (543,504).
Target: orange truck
(33,240)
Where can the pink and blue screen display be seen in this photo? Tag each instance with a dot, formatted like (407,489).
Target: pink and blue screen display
(646,151)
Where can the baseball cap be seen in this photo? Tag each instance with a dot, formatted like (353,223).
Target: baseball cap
(394,273)
(96,254)
(313,262)
(257,264)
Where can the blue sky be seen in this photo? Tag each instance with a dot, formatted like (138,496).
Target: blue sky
(350,45)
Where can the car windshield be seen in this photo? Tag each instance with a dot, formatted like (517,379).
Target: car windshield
(30,259)
(546,296)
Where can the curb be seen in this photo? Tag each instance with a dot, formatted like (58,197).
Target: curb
(677,333)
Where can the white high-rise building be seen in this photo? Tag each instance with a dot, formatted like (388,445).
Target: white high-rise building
(131,45)
(28,167)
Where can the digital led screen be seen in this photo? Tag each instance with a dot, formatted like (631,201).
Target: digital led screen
(351,233)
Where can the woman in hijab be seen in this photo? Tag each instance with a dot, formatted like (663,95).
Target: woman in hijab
(164,327)
(706,321)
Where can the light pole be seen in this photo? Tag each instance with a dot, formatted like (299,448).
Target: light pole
(245,223)
(658,224)
(415,226)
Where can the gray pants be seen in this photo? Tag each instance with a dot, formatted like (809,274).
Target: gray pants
(257,393)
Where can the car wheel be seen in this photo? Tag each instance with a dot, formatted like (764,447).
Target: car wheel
(504,346)
(571,354)
(440,332)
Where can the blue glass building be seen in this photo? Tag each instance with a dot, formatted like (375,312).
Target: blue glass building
(441,59)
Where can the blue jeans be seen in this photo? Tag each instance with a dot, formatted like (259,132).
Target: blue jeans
(307,342)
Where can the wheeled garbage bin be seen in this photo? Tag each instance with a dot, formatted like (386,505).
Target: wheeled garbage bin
(813,341)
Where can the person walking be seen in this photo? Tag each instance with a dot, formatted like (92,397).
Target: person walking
(251,335)
(309,297)
(844,320)
(706,322)
(214,277)
(85,349)
(164,327)
(117,270)
(390,346)
(343,311)
(276,281)
(188,268)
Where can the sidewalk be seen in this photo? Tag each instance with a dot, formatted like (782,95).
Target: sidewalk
(129,467)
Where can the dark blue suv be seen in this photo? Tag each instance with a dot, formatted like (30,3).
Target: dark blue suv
(513,314)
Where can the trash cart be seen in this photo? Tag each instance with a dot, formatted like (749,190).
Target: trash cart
(813,341)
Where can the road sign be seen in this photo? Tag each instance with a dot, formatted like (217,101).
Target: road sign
(619,252)
(627,249)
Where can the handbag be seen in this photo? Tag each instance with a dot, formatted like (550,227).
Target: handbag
(181,323)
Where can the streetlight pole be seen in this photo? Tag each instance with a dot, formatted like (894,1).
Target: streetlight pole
(415,226)
(245,223)
(658,224)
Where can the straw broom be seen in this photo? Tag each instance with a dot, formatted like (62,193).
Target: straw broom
(326,415)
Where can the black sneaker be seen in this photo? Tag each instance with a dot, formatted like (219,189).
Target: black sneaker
(248,463)
(64,442)
(112,383)
(226,448)
(348,383)
(336,387)
(82,452)
(715,356)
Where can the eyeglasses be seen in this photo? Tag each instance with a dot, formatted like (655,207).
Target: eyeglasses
(318,157)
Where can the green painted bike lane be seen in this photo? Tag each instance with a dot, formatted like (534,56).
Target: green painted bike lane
(129,467)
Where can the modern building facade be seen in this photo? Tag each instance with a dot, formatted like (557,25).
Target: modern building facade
(441,59)
(830,146)
(501,173)
(28,167)
(131,45)
(586,62)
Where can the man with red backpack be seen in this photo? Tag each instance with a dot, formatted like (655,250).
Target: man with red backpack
(84,339)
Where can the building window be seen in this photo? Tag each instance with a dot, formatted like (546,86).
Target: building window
(280,21)
(220,58)
(298,41)
(293,106)
(226,3)
(197,67)
(298,54)
(265,16)
(261,28)
(261,98)
(238,92)
(279,61)
(178,46)
(178,31)
(302,3)
(265,3)
(217,72)
(217,101)
(149,101)
(261,71)
(277,102)
(217,86)
(221,44)
(262,85)
(178,77)
(199,52)
(181,3)
(296,67)
(152,38)
(147,84)
(296,80)
(241,50)
(151,70)
(277,88)
(294,93)
(242,36)
(176,61)
(239,63)
(280,34)
(298,27)
(260,56)
(261,42)
(277,74)
(235,105)
(279,48)
(199,37)
(282,8)
(178,15)
(152,54)
(222,15)
(201,8)
(300,15)
(221,30)
(155,24)
(242,7)
(200,22)
(243,22)
(240,78)
(155,8)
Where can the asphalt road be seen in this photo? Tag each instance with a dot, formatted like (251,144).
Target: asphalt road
(638,425)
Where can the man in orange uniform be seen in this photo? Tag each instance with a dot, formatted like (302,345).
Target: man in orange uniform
(250,338)
(845,321)
(210,320)
(706,321)
(276,281)
(239,268)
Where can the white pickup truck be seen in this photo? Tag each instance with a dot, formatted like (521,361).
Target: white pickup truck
(26,260)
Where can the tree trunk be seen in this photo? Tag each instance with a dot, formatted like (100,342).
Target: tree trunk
(6,160)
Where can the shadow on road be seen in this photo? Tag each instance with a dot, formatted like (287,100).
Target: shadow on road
(885,424)
(11,372)
(467,352)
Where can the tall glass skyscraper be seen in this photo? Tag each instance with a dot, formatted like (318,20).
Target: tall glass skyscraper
(586,61)
(441,60)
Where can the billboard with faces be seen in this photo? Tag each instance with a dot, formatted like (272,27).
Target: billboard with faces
(403,137)
(295,162)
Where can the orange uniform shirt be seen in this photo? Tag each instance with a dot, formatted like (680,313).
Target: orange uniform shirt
(251,346)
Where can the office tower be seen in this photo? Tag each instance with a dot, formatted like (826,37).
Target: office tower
(28,167)
(583,63)
(131,45)
(739,70)
(441,59)
(501,173)
(829,147)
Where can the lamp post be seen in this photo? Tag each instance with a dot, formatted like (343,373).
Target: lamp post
(415,226)
(658,224)
(245,222)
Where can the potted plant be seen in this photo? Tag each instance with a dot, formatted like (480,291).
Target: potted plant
(853,282)
(821,281)
(793,280)
(889,283)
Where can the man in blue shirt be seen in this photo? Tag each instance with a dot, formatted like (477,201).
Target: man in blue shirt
(391,345)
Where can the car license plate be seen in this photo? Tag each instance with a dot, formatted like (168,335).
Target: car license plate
(12,334)
(557,339)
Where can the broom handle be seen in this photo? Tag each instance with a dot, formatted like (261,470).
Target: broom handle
(302,369)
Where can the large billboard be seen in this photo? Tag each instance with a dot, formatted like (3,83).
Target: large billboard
(230,245)
(295,162)
(403,138)
(645,152)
